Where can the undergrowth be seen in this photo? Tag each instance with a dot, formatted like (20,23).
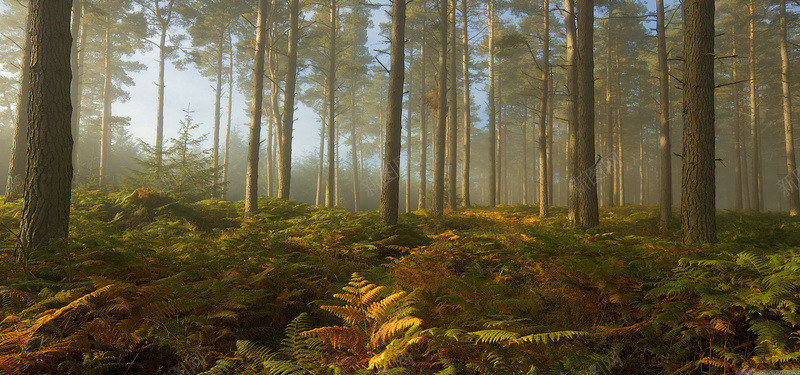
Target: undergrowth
(148,284)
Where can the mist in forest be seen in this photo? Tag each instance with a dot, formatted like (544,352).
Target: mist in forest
(207,48)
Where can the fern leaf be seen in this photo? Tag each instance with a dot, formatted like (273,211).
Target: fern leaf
(338,337)
(493,336)
(389,329)
(349,298)
(377,310)
(544,338)
(351,315)
(369,296)
(253,351)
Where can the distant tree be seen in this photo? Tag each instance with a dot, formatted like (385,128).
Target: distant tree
(48,181)
(664,137)
(788,131)
(755,125)
(544,193)
(251,187)
(441,126)
(572,108)
(492,110)
(390,187)
(18,160)
(452,121)
(698,223)
(465,166)
(76,87)
(285,161)
(331,190)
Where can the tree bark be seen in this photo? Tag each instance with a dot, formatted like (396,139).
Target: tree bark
(544,191)
(331,197)
(758,196)
(19,145)
(251,182)
(698,223)
(353,148)
(441,126)
(664,140)
(320,190)
(285,166)
(588,214)
(75,65)
(226,156)
(48,181)
(465,165)
(217,109)
(452,124)
(788,131)
(737,130)
(408,136)
(572,110)
(423,131)
(390,186)
(105,132)
(164,21)
(608,183)
(492,109)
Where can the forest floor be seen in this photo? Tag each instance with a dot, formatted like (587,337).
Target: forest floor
(148,284)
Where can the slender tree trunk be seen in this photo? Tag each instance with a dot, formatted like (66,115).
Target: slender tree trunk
(492,110)
(217,108)
(390,186)
(465,166)
(423,131)
(408,136)
(788,131)
(499,145)
(608,183)
(544,191)
(48,182)
(320,190)
(273,143)
(285,167)
(226,156)
(758,197)
(587,207)
(550,135)
(19,146)
(441,126)
(75,88)
(525,156)
(164,20)
(251,183)
(620,137)
(105,136)
(698,223)
(452,124)
(353,150)
(572,110)
(664,139)
(641,164)
(737,131)
(331,197)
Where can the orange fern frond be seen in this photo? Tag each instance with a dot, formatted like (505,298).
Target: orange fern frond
(369,296)
(338,337)
(349,298)
(349,314)
(393,327)
(377,310)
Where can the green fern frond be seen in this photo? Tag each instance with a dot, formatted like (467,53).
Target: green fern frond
(544,338)
(750,260)
(493,336)
(253,351)
(296,346)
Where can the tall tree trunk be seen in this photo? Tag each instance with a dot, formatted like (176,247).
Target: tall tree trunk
(737,130)
(525,156)
(320,190)
(75,87)
(544,191)
(105,132)
(48,181)
(217,109)
(467,111)
(550,112)
(698,223)
(758,197)
(273,143)
(251,182)
(641,164)
(572,110)
(19,146)
(285,167)
(390,186)
(587,207)
(664,139)
(331,197)
(353,149)
(788,131)
(408,136)
(452,124)
(608,183)
(441,126)
(492,110)
(226,156)
(499,145)
(423,131)
(164,21)
(618,122)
